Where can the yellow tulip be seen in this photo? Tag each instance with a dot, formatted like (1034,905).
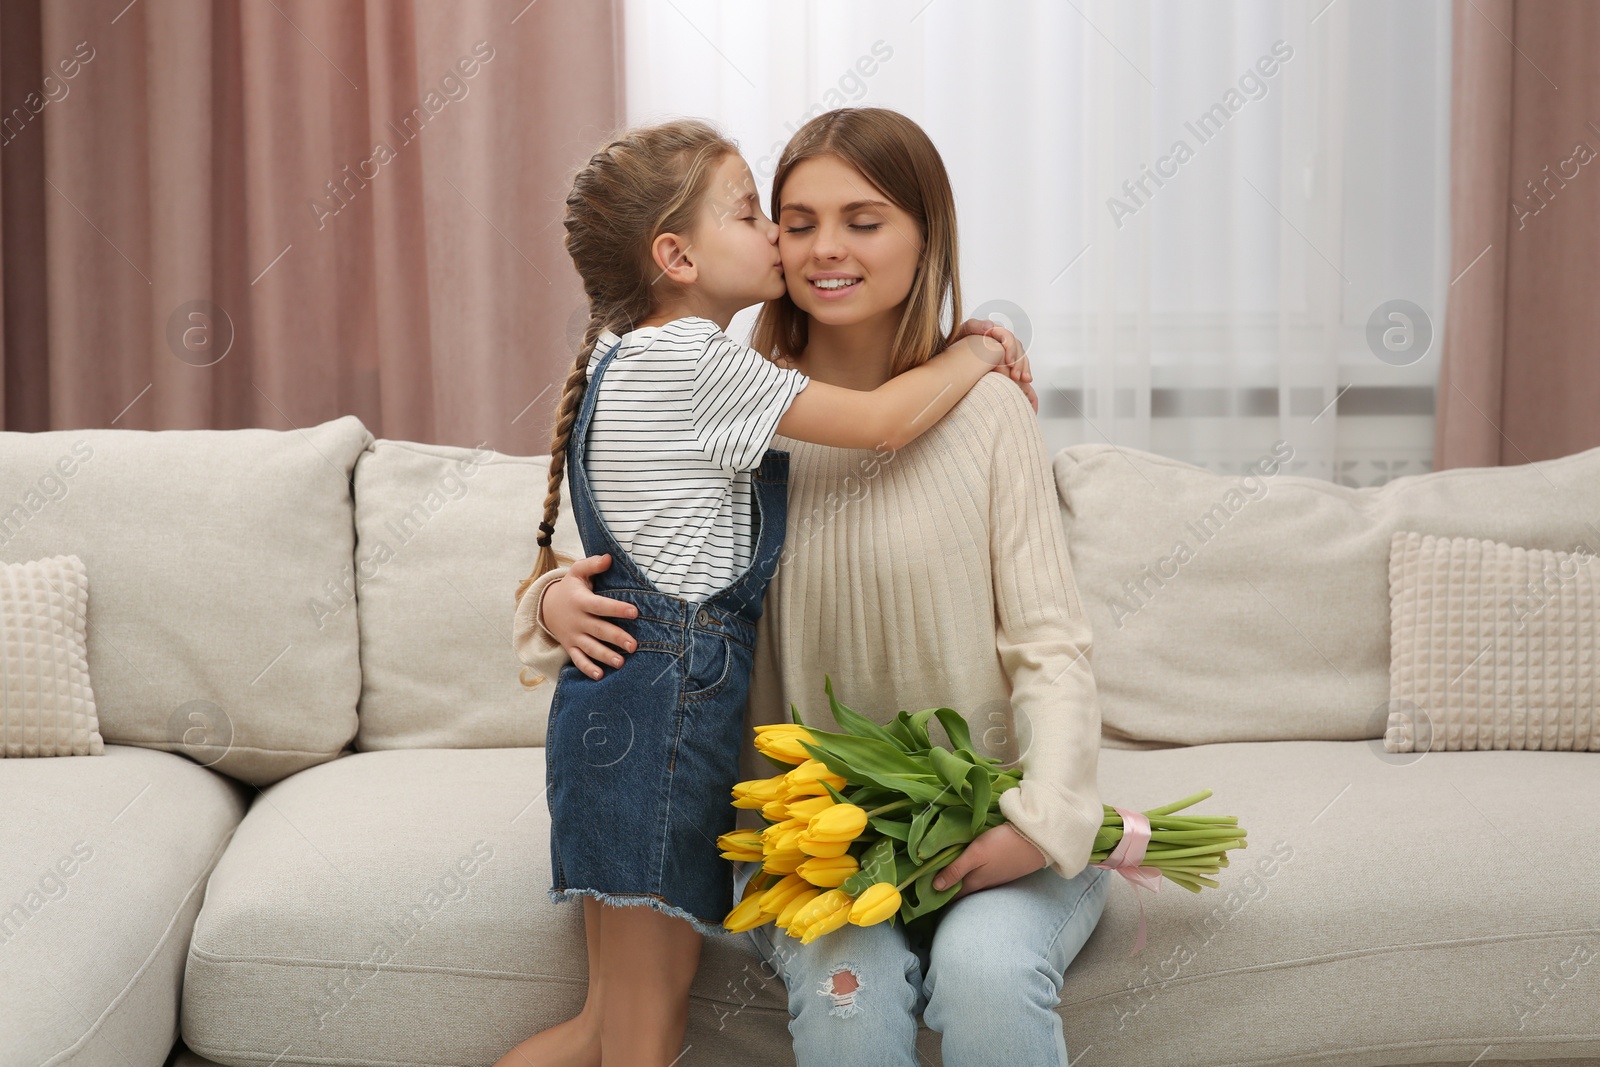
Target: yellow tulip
(807,778)
(829,911)
(823,848)
(828,923)
(786,916)
(741,846)
(755,885)
(777,897)
(829,872)
(804,809)
(780,728)
(781,835)
(781,742)
(784,861)
(788,840)
(747,915)
(877,903)
(759,791)
(775,809)
(841,822)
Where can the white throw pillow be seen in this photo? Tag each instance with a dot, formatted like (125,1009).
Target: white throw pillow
(48,705)
(1492,646)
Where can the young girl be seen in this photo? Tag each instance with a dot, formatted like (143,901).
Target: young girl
(663,433)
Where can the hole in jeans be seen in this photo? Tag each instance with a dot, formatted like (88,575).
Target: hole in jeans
(841,986)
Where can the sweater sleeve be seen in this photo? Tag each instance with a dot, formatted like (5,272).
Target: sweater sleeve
(1043,639)
(533,643)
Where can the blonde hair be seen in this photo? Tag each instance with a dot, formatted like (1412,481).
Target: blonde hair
(645,182)
(897,156)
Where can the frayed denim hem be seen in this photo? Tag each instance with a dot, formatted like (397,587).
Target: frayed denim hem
(634,899)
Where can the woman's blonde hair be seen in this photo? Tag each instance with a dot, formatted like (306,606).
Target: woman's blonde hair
(897,156)
(645,182)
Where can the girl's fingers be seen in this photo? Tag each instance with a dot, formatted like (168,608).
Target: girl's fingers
(613,635)
(583,662)
(602,653)
(596,604)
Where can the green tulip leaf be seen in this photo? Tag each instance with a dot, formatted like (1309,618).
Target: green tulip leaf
(853,722)
(919,827)
(862,753)
(890,827)
(926,897)
(916,728)
(879,860)
(955,727)
(924,789)
(952,827)
(951,768)
(982,797)
(897,729)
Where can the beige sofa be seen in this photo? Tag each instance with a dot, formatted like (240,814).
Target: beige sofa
(318,834)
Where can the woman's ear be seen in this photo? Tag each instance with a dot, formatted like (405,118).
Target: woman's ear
(671,255)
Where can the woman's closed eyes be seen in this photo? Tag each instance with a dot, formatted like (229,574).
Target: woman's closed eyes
(853,226)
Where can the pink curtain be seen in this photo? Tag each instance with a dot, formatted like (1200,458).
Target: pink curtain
(276,212)
(1520,381)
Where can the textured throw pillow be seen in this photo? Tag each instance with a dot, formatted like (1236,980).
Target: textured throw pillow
(47,706)
(1492,646)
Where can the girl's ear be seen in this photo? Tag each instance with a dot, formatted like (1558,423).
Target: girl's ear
(671,255)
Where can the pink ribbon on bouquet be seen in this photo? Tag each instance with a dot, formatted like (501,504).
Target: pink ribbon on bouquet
(1127,856)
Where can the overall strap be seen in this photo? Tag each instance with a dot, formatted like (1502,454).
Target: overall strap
(591,524)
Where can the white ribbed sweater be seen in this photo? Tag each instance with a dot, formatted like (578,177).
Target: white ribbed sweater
(935,576)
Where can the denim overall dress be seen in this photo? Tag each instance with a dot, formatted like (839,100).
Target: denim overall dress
(641,762)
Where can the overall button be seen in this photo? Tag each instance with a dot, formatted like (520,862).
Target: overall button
(703,618)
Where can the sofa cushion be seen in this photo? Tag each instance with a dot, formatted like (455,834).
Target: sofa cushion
(1492,646)
(445,536)
(103,869)
(1256,607)
(410,885)
(1388,909)
(219,627)
(48,709)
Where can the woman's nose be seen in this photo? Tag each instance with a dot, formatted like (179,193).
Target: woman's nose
(828,245)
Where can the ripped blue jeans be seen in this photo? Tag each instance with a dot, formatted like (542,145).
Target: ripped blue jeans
(987,976)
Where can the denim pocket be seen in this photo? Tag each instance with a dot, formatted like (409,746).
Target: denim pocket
(710,657)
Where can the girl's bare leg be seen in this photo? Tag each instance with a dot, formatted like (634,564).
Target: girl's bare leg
(648,959)
(576,1042)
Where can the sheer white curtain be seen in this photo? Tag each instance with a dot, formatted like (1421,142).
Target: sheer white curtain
(1198,216)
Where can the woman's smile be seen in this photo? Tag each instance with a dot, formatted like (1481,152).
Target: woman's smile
(832,285)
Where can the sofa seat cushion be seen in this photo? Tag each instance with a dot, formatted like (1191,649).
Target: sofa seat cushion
(1388,909)
(102,870)
(390,907)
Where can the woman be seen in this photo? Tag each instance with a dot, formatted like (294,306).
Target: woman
(934,576)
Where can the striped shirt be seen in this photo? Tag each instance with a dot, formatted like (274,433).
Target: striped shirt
(684,416)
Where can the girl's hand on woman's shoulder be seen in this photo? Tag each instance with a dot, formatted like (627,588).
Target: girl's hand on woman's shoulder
(576,617)
(1015,365)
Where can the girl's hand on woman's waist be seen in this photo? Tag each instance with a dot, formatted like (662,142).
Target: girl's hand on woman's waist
(576,617)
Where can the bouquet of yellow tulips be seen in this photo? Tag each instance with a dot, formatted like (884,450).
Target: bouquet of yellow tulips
(860,822)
